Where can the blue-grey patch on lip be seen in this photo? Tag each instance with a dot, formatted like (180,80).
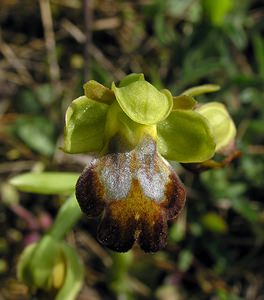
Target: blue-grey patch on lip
(116,175)
(153,186)
(143,164)
(153,173)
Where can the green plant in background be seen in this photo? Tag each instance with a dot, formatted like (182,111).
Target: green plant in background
(216,244)
(132,129)
(217,10)
(50,264)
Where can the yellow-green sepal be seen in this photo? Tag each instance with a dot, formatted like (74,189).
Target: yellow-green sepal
(185,136)
(201,89)
(131,78)
(84,126)
(143,103)
(98,92)
(183,102)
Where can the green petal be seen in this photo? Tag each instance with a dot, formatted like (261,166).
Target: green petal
(85,123)
(98,92)
(183,102)
(185,136)
(122,133)
(143,103)
(131,78)
(201,89)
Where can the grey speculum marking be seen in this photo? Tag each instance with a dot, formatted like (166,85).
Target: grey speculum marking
(150,170)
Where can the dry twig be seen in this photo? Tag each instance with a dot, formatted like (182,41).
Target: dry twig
(88,21)
(46,17)
(79,36)
(16,63)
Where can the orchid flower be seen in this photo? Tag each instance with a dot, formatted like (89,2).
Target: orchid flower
(132,130)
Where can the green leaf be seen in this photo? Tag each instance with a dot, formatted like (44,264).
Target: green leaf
(98,92)
(143,103)
(74,275)
(185,136)
(44,93)
(214,222)
(201,89)
(185,260)
(131,78)
(27,102)
(177,232)
(245,209)
(237,33)
(179,8)
(85,124)
(37,132)
(46,182)
(223,294)
(216,10)
(183,102)
(258,43)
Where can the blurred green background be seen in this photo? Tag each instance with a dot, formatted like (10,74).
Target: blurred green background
(48,49)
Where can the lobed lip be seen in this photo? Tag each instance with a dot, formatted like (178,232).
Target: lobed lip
(136,193)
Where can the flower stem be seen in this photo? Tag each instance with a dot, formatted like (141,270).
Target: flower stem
(67,217)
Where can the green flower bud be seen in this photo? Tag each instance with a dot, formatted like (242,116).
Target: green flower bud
(52,266)
(221,123)
(58,273)
(37,261)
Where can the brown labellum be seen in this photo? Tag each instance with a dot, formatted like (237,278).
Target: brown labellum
(136,192)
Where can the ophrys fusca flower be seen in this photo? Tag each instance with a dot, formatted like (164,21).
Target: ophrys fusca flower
(132,129)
